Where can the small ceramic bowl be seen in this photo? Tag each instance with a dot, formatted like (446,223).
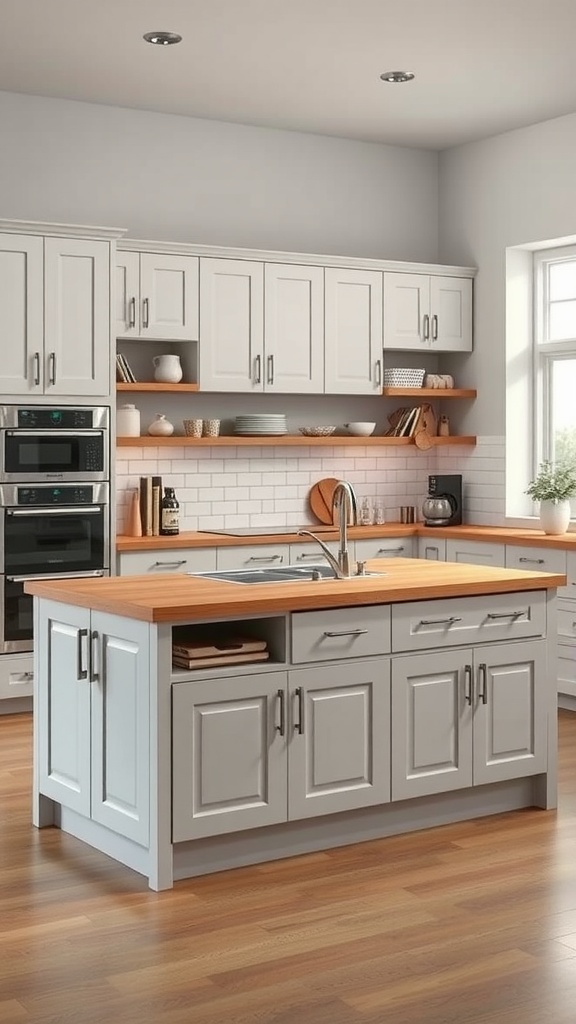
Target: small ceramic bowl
(360,429)
(316,431)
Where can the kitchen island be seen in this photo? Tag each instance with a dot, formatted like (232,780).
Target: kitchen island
(418,696)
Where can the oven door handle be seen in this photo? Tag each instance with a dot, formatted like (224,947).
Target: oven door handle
(57,576)
(54,511)
(41,432)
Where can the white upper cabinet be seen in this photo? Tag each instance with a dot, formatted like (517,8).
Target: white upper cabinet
(231,351)
(55,314)
(293,328)
(353,332)
(427,313)
(156,296)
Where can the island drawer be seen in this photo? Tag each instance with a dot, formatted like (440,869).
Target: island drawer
(567,619)
(340,633)
(139,563)
(471,620)
(252,556)
(567,670)
(16,675)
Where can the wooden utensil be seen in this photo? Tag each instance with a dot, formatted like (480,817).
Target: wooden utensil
(320,499)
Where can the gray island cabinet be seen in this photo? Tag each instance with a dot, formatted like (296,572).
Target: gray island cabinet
(386,704)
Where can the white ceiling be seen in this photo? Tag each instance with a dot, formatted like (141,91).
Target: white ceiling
(482,66)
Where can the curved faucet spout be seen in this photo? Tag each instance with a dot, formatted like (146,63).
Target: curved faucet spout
(331,560)
(345,504)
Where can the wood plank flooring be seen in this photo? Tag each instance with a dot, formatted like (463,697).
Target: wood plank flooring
(472,923)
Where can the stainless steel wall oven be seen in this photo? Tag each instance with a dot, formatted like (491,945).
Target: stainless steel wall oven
(46,444)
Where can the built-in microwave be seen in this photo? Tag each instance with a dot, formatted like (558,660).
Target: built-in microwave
(44,444)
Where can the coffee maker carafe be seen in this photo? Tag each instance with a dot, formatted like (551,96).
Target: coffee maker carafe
(443,506)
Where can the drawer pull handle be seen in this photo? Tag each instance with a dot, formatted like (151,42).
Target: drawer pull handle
(468,679)
(484,683)
(506,615)
(265,558)
(309,554)
(390,551)
(532,561)
(345,632)
(440,622)
(281,728)
(299,725)
(179,561)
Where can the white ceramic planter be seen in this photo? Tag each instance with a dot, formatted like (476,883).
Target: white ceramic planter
(555,516)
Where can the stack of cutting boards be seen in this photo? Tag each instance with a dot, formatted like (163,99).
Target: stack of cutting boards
(192,654)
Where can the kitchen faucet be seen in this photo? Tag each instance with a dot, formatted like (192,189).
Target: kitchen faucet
(344,503)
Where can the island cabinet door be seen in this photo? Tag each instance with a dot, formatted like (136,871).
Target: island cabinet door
(228,754)
(339,749)
(431,723)
(120,691)
(63,705)
(510,711)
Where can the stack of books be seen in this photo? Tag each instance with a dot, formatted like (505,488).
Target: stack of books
(192,654)
(150,499)
(124,374)
(404,422)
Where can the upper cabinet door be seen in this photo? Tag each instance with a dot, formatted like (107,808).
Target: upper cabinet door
(21,314)
(451,314)
(168,297)
(126,310)
(231,350)
(294,329)
(406,311)
(353,332)
(77,316)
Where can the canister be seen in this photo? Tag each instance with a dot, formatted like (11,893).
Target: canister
(128,421)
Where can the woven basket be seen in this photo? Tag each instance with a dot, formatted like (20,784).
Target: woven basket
(403,377)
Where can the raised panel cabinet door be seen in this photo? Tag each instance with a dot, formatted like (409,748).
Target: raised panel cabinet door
(339,747)
(475,552)
(510,711)
(352,332)
(294,329)
(231,349)
(120,690)
(407,311)
(169,297)
(63,705)
(21,314)
(77,316)
(431,723)
(126,295)
(451,314)
(229,760)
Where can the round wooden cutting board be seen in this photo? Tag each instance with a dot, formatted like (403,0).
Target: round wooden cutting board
(320,499)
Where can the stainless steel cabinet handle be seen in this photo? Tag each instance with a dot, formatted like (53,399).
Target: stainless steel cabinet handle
(532,561)
(390,551)
(53,511)
(36,367)
(345,632)
(132,312)
(435,327)
(52,368)
(93,656)
(265,558)
(483,694)
(270,369)
(378,373)
(258,369)
(305,555)
(506,615)
(299,725)
(145,312)
(281,728)
(92,574)
(440,622)
(434,557)
(81,672)
(468,683)
(426,327)
(176,562)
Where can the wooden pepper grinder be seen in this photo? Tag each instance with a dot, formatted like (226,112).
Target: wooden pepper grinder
(134,517)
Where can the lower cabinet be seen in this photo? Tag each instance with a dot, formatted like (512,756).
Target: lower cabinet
(94,748)
(266,748)
(475,552)
(161,560)
(468,717)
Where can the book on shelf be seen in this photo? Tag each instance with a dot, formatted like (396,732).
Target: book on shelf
(123,366)
(120,372)
(206,648)
(156,502)
(146,505)
(217,660)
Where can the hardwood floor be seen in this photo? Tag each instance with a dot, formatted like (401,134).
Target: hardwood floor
(467,924)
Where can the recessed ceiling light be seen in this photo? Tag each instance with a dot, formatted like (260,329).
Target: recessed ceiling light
(162,38)
(397,76)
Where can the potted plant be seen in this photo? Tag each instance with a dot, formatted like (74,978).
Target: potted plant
(553,487)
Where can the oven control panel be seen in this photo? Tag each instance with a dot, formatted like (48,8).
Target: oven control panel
(56,419)
(47,496)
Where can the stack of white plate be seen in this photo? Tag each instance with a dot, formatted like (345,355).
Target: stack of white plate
(261,423)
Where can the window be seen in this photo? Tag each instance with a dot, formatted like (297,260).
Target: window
(555,356)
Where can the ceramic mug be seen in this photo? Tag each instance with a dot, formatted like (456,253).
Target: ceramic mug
(211,428)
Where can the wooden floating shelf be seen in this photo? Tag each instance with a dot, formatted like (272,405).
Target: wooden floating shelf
(431,392)
(283,442)
(155,386)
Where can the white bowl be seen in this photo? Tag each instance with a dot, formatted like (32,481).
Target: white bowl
(360,429)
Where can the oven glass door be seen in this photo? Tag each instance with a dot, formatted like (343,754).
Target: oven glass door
(30,455)
(16,618)
(55,540)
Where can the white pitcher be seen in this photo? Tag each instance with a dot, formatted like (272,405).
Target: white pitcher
(167,369)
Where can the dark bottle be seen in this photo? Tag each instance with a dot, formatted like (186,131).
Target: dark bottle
(169,514)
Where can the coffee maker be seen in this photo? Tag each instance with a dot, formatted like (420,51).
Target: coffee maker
(443,506)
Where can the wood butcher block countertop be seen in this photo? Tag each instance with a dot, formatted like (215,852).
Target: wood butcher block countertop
(499,534)
(178,597)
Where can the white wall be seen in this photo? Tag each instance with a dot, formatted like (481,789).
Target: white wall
(181,179)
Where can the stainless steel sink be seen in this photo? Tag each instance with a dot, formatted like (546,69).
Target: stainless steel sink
(281,574)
